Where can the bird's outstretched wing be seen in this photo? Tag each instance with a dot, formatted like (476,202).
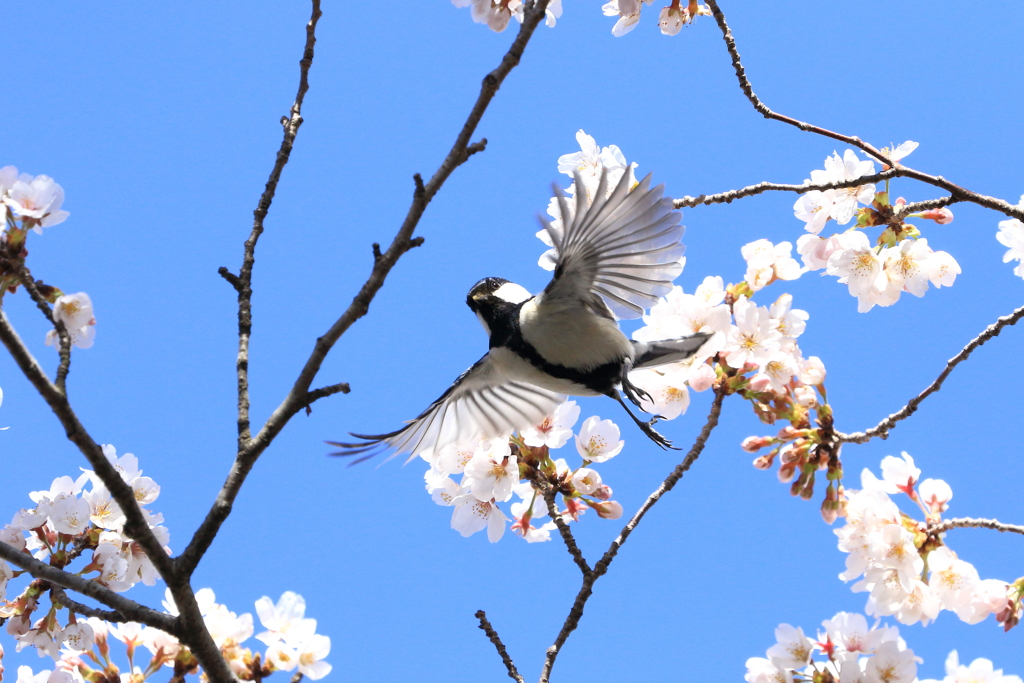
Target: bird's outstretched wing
(624,246)
(481,403)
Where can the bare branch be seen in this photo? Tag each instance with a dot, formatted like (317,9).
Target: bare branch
(576,612)
(965,522)
(883,427)
(959,193)
(383,262)
(486,627)
(129,610)
(563,529)
(243,281)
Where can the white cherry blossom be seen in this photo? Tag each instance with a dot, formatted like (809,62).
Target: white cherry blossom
(38,199)
(555,430)
(598,440)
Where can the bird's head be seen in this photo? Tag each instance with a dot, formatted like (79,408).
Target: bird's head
(494,298)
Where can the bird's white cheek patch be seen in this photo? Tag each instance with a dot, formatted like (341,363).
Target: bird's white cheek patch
(512,293)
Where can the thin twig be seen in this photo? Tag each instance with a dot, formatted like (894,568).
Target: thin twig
(883,427)
(382,265)
(61,598)
(973,522)
(563,529)
(958,192)
(486,627)
(576,613)
(64,349)
(760,188)
(128,609)
(243,282)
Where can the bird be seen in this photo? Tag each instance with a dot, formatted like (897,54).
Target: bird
(614,259)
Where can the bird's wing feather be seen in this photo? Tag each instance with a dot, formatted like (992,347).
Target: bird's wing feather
(624,247)
(481,403)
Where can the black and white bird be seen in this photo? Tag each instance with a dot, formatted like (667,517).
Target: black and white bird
(615,258)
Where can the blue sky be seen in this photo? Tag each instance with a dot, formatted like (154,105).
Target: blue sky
(161,122)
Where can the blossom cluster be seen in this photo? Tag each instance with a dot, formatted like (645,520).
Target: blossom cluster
(291,640)
(900,260)
(904,563)
(75,518)
(847,650)
(753,350)
(497,13)
(31,203)
(493,470)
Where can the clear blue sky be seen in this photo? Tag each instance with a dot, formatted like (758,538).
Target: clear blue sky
(161,122)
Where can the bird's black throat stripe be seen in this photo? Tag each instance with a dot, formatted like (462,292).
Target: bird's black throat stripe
(506,332)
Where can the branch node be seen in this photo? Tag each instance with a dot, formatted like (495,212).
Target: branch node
(415,242)
(420,192)
(231,278)
(376,252)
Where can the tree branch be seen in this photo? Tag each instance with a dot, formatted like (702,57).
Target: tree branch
(959,193)
(382,265)
(486,627)
(883,427)
(129,610)
(61,598)
(576,613)
(243,281)
(563,529)
(62,333)
(965,522)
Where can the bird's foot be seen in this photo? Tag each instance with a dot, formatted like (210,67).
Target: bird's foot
(633,392)
(654,436)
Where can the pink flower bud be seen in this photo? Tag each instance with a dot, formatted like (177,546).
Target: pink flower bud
(760,382)
(941,216)
(788,433)
(752,444)
(900,201)
(762,462)
(702,378)
(829,511)
(608,510)
(786,472)
(603,492)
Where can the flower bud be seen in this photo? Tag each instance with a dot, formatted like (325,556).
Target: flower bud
(763,462)
(752,444)
(603,492)
(607,510)
(806,397)
(941,216)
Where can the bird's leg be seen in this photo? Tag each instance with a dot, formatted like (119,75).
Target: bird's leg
(645,427)
(632,391)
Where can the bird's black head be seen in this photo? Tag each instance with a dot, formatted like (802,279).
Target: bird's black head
(494,300)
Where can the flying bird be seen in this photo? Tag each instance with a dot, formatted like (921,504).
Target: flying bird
(615,258)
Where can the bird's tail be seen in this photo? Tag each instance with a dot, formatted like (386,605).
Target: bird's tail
(653,353)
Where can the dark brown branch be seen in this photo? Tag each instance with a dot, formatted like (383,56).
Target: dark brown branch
(486,627)
(576,613)
(403,241)
(243,282)
(883,427)
(972,522)
(563,529)
(959,193)
(61,598)
(231,278)
(129,610)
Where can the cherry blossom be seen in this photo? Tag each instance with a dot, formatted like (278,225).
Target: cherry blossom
(1011,234)
(284,621)
(555,430)
(36,199)
(492,471)
(981,670)
(598,440)
(75,311)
